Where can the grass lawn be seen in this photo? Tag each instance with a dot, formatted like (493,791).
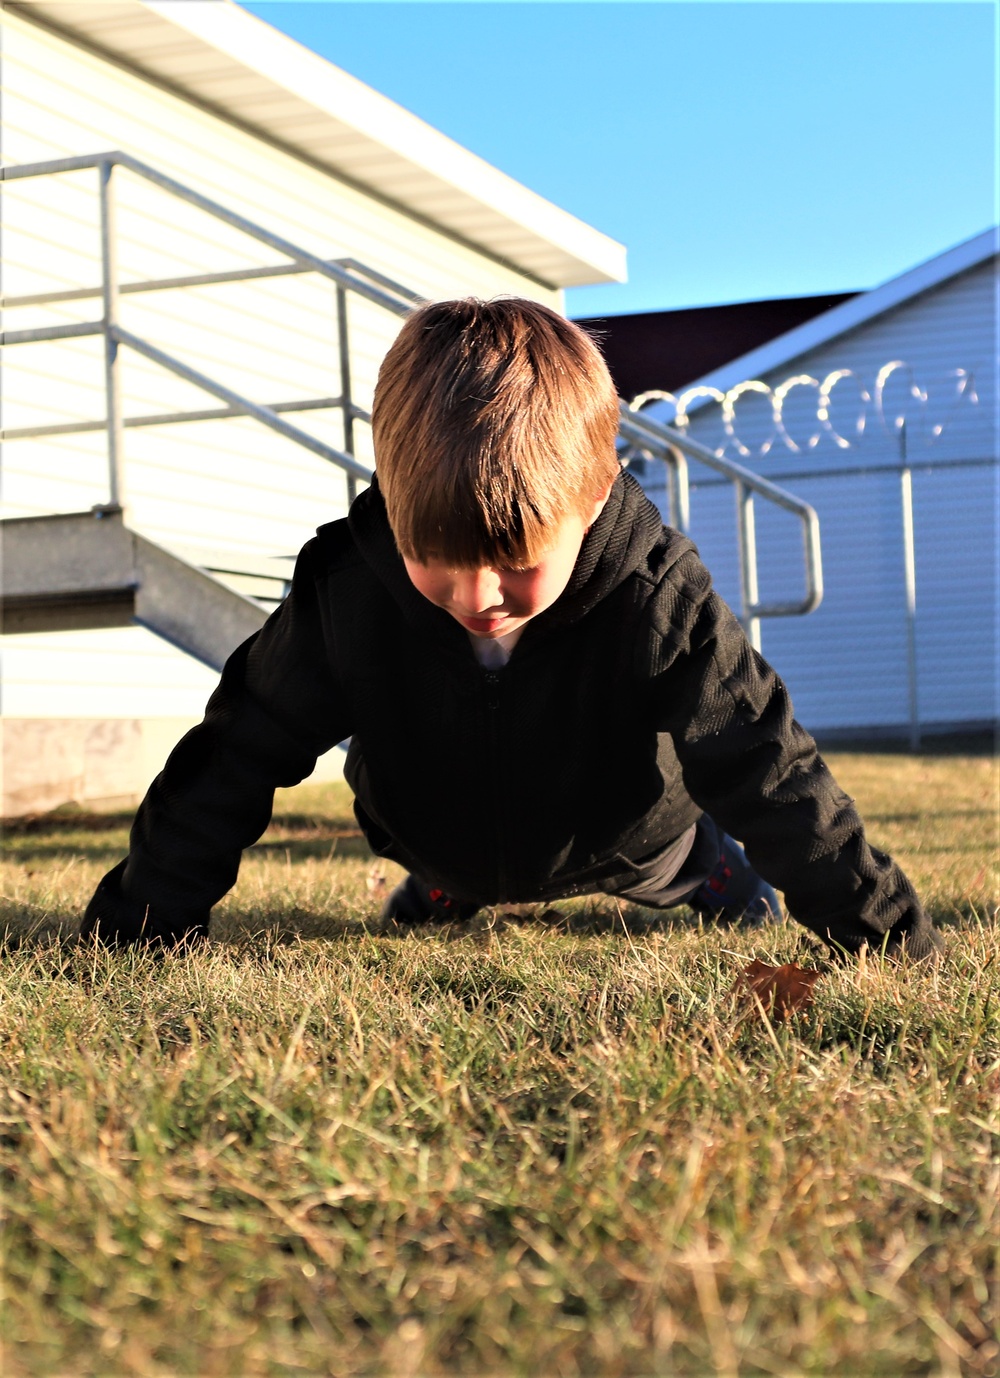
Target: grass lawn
(538,1145)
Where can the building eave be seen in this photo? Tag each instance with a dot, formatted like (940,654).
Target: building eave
(228,60)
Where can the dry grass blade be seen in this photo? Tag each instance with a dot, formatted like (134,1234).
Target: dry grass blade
(518,1145)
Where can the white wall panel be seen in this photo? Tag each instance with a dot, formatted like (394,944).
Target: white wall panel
(713,529)
(60,100)
(123,672)
(273,340)
(955,526)
(950,327)
(846,664)
(212,485)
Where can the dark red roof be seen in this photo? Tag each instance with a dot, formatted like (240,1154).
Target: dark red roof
(670,349)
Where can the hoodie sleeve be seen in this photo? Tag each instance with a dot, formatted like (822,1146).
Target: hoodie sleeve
(278,706)
(757,772)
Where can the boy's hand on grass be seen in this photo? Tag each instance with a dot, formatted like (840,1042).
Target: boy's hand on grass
(929,948)
(113,920)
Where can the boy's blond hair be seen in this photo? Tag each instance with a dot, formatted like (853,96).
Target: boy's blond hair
(493,422)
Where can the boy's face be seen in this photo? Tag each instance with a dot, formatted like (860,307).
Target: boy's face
(493,600)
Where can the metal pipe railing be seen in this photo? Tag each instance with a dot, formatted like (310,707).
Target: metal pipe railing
(674,449)
(264,415)
(175,417)
(347,275)
(640,432)
(276,270)
(52,332)
(112,369)
(331,269)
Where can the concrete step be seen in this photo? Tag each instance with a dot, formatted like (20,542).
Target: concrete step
(80,570)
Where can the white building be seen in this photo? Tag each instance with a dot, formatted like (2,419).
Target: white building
(207,95)
(883,414)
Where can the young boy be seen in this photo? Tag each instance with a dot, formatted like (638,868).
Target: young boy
(543,694)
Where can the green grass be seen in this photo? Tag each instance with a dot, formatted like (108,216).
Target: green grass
(535,1145)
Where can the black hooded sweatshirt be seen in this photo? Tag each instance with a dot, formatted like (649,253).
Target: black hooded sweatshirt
(627,708)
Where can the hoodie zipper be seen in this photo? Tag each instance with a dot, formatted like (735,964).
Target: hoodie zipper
(491,681)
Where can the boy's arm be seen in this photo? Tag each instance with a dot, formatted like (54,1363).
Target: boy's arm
(277,707)
(757,772)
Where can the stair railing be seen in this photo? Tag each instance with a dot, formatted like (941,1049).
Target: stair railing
(347,274)
(640,433)
(647,437)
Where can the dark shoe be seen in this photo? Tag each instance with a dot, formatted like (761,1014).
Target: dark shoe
(414,901)
(734,893)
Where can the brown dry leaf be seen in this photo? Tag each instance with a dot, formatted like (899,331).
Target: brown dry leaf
(781,990)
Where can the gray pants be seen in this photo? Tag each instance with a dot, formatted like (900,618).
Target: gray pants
(670,876)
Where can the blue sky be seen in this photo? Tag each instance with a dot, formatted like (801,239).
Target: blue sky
(739,150)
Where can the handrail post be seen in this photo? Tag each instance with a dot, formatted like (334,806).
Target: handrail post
(910,590)
(749,591)
(112,366)
(346,401)
(680,490)
(643,432)
(813,552)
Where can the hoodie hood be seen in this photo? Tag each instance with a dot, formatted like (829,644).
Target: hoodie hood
(617,545)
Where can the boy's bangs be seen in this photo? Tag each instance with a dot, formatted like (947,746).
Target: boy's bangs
(469,533)
(491,423)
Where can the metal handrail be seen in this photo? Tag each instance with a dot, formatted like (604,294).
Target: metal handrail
(344,277)
(348,275)
(639,432)
(277,270)
(662,442)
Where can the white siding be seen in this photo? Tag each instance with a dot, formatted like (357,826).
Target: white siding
(122,672)
(952,326)
(222,485)
(846,664)
(274,341)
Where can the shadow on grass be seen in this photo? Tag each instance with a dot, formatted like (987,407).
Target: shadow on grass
(959,914)
(65,849)
(339,822)
(257,932)
(321,843)
(67,820)
(977,743)
(919,817)
(31,932)
(42,838)
(602,918)
(28,926)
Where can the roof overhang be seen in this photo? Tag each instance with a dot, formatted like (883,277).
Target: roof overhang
(252,74)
